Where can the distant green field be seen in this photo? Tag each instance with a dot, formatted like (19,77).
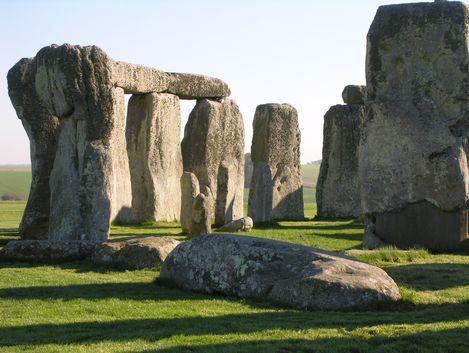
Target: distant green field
(310,175)
(16,180)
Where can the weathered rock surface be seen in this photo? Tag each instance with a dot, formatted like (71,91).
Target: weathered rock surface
(153,145)
(46,250)
(74,84)
(134,254)
(248,170)
(415,137)
(42,129)
(202,214)
(276,191)
(244,224)
(353,94)
(192,86)
(338,187)
(137,79)
(189,191)
(284,273)
(213,149)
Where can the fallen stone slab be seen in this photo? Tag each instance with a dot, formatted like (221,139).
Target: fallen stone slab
(46,250)
(133,254)
(244,224)
(288,274)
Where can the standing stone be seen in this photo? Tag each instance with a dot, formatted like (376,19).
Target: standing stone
(248,170)
(74,84)
(153,143)
(213,149)
(42,129)
(413,154)
(201,222)
(338,187)
(276,191)
(189,191)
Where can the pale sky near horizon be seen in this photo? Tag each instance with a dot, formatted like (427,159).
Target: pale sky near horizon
(297,52)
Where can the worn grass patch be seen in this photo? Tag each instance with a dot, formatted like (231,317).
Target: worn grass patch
(79,307)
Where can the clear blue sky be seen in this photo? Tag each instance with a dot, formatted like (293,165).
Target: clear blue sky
(291,51)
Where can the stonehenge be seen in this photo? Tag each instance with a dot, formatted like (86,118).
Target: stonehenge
(71,102)
(413,166)
(276,191)
(338,187)
(213,150)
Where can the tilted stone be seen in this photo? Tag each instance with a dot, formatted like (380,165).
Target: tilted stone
(284,273)
(276,191)
(338,187)
(213,149)
(413,155)
(189,191)
(42,129)
(354,94)
(153,144)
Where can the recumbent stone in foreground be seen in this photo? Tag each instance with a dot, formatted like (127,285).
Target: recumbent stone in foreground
(284,273)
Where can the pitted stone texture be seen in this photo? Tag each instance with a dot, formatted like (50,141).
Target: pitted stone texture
(134,254)
(244,224)
(338,187)
(276,191)
(415,136)
(201,220)
(353,94)
(139,79)
(74,83)
(45,250)
(189,191)
(288,274)
(213,149)
(153,144)
(192,86)
(42,129)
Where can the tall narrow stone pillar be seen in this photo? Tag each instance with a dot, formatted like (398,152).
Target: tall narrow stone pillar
(213,149)
(276,191)
(338,188)
(153,144)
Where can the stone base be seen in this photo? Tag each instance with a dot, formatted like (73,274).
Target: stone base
(423,224)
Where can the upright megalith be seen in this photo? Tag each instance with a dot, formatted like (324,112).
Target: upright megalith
(153,144)
(213,149)
(276,191)
(338,187)
(42,129)
(71,102)
(413,154)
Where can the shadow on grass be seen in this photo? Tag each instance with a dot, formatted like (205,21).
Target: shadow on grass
(449,340)
(154,329)
(431,276)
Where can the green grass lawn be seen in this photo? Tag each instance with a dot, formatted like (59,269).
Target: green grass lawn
(16,180)
(79,307)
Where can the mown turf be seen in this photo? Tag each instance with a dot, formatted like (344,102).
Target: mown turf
(78,307)
(15,180)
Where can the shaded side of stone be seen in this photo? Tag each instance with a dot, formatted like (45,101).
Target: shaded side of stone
(42,129)
(338,187)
